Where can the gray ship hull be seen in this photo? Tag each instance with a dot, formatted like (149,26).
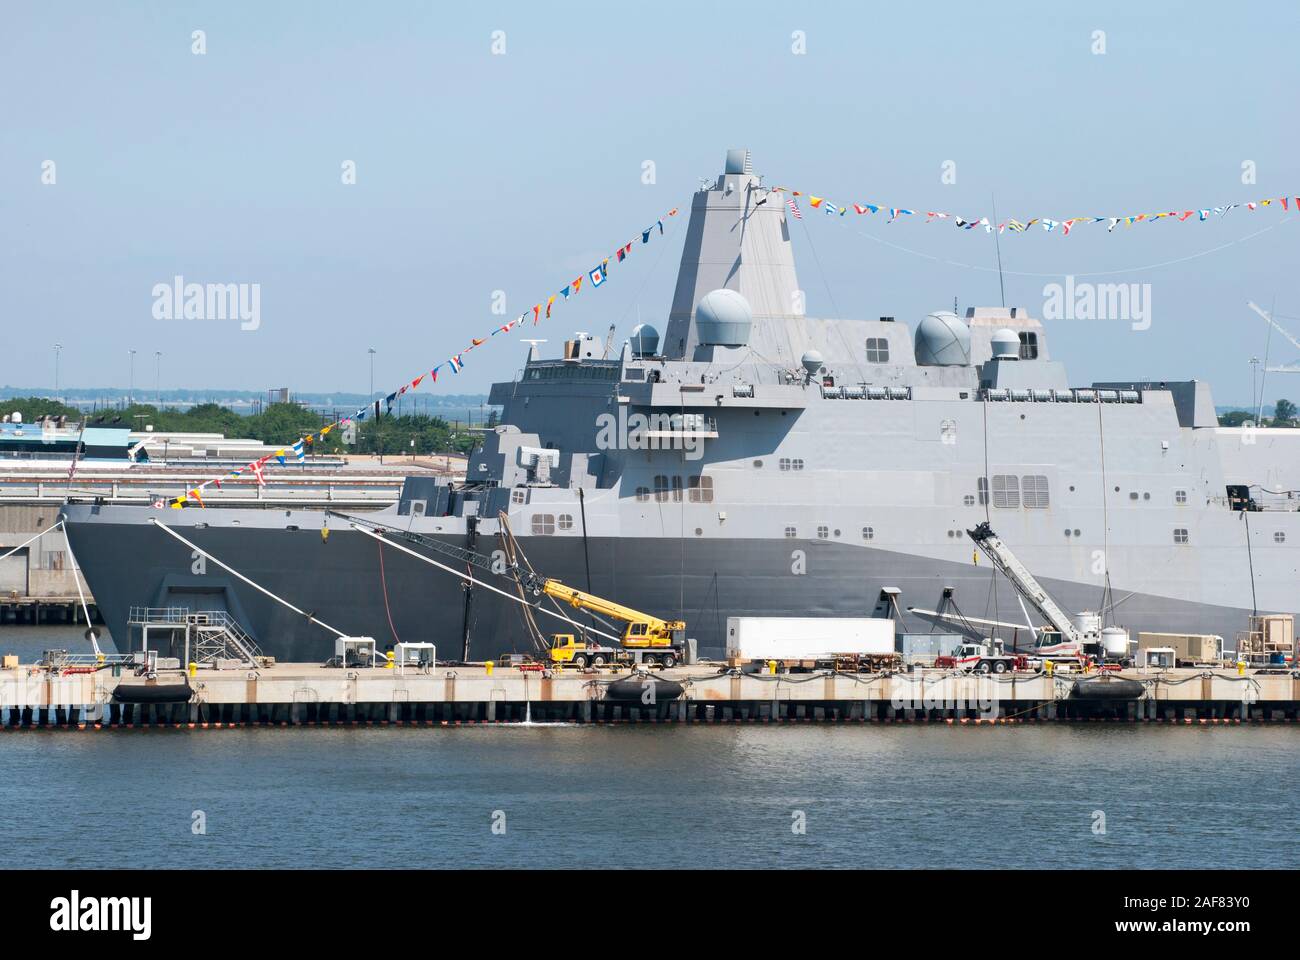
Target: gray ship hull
(340,581)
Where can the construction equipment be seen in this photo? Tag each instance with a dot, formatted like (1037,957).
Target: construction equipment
(982,658)
(663,641)
(1061,639)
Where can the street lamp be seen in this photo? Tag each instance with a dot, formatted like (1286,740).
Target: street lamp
(58,348)
(157,356)
(372,372)
(130,390)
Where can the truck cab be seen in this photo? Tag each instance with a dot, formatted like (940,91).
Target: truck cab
(568,649)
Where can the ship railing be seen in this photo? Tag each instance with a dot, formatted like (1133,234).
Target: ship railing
(1074,395)
(866,392)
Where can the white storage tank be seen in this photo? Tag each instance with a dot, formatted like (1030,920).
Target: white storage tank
(1115,642)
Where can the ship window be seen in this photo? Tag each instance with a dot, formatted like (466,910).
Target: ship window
(982,487)
(796,464)
(784,463)
(868,533)
(677,489)
(823,532)
(1006,491)
(791,532)
(543,524)
(643,493)
(877,350)
(1180,534)
(1180,496)
(661,488)
(948,431)
(1034,488)
(517,496)
(1028,345)
(968,500)
(565,521)
(701,489)
(1133,495)
(787,463)
(758,464)
(1279,536)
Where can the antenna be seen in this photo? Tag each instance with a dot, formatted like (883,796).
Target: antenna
(997,245)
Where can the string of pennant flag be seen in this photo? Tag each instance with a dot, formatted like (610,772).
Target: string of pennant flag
(595,277)
(1018,226)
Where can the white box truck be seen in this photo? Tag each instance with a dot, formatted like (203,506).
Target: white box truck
(809,638)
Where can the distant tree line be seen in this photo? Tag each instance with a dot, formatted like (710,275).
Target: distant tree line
(278,423)
(1284,415)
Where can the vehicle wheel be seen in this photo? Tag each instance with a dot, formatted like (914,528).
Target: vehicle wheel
(581,660)
(983,667)
(1000,667)
(598,660)
(669,660)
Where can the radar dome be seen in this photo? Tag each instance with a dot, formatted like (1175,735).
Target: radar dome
(1006,344)
(723,318)
(812,361)
(645,340)
(942,340)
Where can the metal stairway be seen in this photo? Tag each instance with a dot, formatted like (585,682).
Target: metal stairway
(210,636)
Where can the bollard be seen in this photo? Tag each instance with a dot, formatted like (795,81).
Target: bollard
(1241,668)
(390,660)
(1047,667)
(771,667)
(194,669)
(487,667)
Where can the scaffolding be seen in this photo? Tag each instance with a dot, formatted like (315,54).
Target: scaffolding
(207,637)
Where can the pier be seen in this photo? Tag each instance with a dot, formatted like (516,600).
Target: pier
(286,695)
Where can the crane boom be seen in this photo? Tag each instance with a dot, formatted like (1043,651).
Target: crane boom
(643,630)
(1024,581)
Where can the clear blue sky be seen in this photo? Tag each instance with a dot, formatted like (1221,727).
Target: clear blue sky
(479,172)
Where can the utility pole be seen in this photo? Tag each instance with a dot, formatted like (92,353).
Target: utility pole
(372,373)
(130,391)
(58,348)
(1254,364)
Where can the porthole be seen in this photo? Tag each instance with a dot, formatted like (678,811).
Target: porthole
(699,532)
(868,533)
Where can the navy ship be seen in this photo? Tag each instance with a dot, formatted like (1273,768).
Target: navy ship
(753,460)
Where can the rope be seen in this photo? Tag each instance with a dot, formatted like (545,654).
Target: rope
(235,573)
(383,584)
(470,578)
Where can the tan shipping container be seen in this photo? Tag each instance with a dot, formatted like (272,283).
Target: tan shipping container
(1188,647)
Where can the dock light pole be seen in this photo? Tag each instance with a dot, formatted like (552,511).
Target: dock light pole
(130,390)
(372,373)
(157,373)
(58,348)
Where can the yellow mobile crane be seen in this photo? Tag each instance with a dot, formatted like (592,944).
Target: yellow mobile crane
(663,641)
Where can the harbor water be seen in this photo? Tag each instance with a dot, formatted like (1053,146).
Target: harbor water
(1055,795)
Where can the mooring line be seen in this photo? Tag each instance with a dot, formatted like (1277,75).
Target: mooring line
(235,573)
